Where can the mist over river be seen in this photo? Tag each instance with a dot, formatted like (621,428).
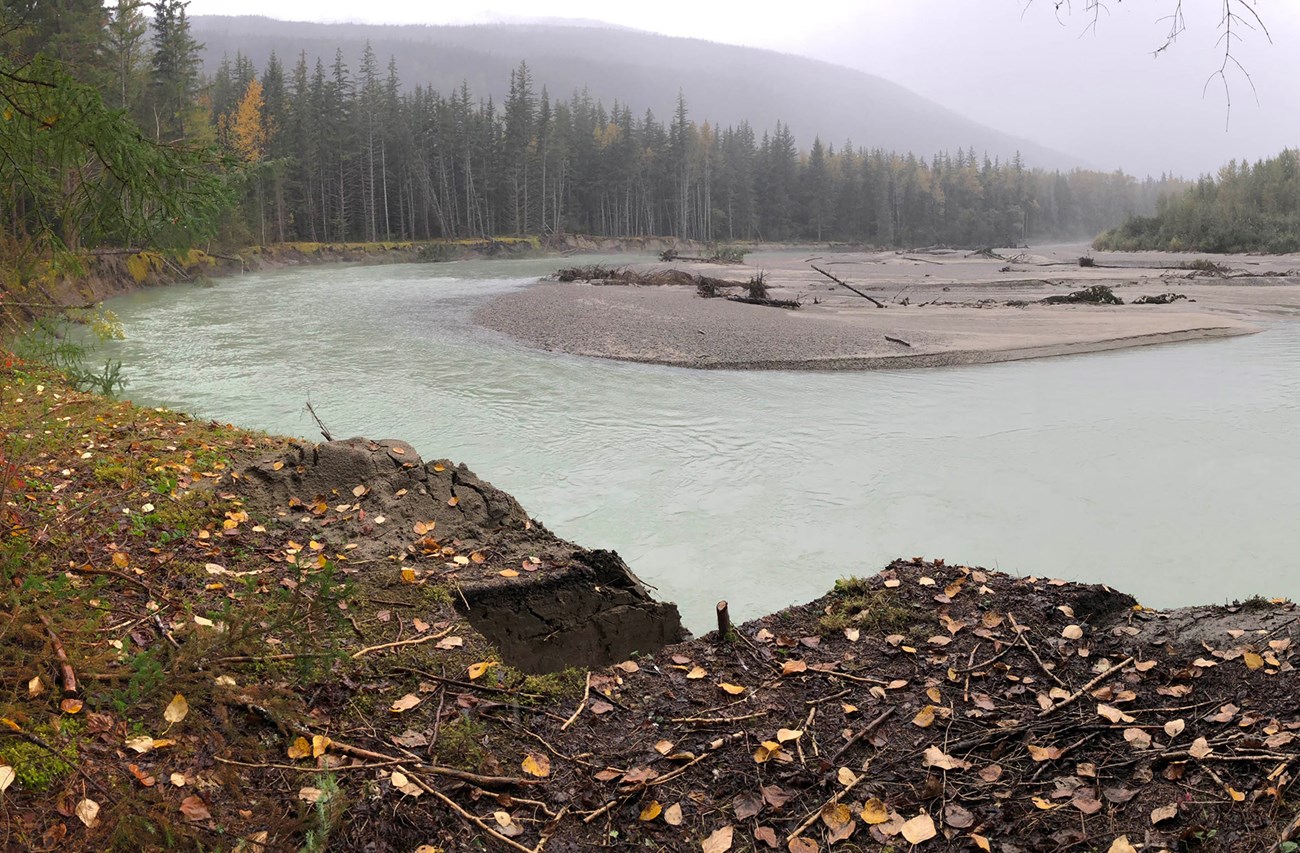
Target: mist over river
(1170,472)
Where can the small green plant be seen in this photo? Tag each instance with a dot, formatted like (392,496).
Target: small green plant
(48,341)
(460,743)
(854,604)
(729,255)
(325,814)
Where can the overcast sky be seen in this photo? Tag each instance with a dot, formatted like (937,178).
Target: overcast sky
(1015,65)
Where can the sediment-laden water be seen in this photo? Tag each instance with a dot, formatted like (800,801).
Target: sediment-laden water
(1170,472)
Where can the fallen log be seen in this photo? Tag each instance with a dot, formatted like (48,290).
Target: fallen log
(870,299)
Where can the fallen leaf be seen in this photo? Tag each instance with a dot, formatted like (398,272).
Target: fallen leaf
(141,776)
(924,717)
(935,757)
(874,811)
(787,735)
(775,796)
(1045,805)
(1200,748)
(651,811)
(846,777)
(476,670)
(839,820)
(719,841)
(1086,803)
(598,707)
(1237,796)
(1121,845)
(981,842)
(1045,753)
(1072,632)
(1115,715)
(194,808)
(992,773)
(319,743)
(176,709)
(732,689)
(406,703)
(920,828)
(767,835)
(746,806)
(7,776)
(852,634)
(88,812)
(1138,737)
(538,764)
(628,666)
(449,643)
(696,673)
(803,845)
(957,817)
(1164,813)
(664,747)
(791,667)
(71,706)
(177,779)
(1252,660)
(300,748)
(506,824)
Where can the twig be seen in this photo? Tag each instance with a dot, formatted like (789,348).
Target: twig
(717,720)
(816,813)
(69,676)
(398,643)
(305,769)
(586,693)
(1073,697)
(866,730)
(1020,635)
(469,817)
(323,431)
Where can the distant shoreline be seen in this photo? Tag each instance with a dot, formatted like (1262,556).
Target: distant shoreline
(949,308)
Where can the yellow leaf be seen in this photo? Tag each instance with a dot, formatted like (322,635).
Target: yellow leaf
(874,811)
(846,777)
(276,466)
(924,717)
(786,735)
(508,573)
(651,811)
(733,689)
(1253,661)
(319,743)
(300,748)
(1045,805)
(71,706)
(7,776)
(696,672)
(408,575)
(981,842)
(176,709)
(120,559)
(452,501)
(537,764)
(476,670)
(1236,795)
(793,666)
(1121,845)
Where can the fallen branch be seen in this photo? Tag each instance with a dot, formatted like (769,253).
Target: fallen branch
(897,341)
(1073,697)
(870,299)
(399,643)
(866,730)
(69,676)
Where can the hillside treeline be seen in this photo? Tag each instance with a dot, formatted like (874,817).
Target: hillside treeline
(318,151)
(1245,209)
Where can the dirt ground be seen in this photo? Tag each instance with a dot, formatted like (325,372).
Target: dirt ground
(940,306)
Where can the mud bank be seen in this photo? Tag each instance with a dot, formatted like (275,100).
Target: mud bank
(556,606)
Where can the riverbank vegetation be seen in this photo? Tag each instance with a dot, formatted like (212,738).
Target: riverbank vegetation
(1245,208)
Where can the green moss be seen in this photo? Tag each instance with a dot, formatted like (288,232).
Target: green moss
(568,682)
(460,743)
(36,768)
(854,604)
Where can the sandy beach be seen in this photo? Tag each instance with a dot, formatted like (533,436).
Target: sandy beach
(942,307)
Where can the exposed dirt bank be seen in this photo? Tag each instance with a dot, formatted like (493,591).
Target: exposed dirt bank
(940,308)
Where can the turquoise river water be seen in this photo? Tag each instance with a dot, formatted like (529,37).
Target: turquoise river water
(1170,472)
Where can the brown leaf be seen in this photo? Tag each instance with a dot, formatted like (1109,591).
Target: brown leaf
(775,796)
(1072,632)
(1045,753)
(719,841)
(1138,737)
(992,773)
(1119,796)
(1115,715)
(767,835)
(87,812)
(673,815)
(803,845)
(746,806)
(1164,813)
(406,703)
(957,817)
(1200,748)
(195,809)
(935,757)
(598,707)
(1174,728)
(1086,803)
(142,777)
(791,667)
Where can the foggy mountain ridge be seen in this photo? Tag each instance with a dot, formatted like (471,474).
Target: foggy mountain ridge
(722,83)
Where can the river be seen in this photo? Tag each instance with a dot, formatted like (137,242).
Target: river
(1170,472)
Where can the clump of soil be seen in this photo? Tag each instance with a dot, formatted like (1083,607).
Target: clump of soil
(1159,299)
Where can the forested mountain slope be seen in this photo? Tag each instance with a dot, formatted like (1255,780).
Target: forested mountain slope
(722,83)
